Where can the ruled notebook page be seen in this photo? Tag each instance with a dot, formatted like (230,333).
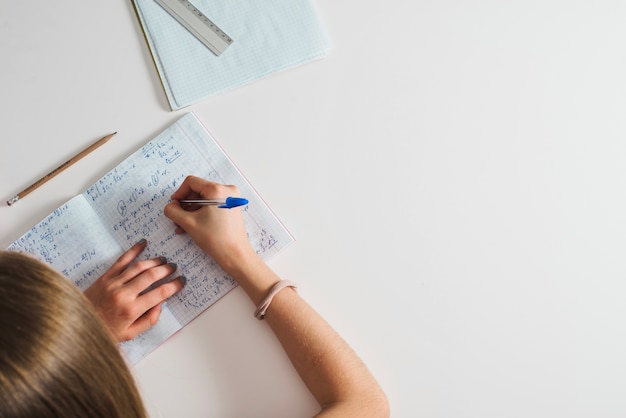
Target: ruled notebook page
(269,36)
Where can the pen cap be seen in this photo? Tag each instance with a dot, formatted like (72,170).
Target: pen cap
(233,202)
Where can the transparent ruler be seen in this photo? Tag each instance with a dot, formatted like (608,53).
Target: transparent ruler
(198,24)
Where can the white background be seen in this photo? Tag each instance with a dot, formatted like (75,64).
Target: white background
(453,173)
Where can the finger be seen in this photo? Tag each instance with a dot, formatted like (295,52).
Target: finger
(190,187)
(179,230)
(141,266)
(177,214)
(142,282)
(159,294)
(155,297)
(145,321)
(125,259)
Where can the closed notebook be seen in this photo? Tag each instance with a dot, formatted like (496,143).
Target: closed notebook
(269,36)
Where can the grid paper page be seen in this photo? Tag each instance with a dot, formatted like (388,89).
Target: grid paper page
(269,36)
(134,209)
(127,204)
(59,240)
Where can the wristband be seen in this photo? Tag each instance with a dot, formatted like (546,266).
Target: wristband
(259,313)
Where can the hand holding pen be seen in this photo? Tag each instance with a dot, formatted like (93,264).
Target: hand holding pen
(220,233)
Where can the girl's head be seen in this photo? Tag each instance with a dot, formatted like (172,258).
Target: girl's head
(57,359)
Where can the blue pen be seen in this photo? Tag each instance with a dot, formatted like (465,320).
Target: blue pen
(228,203)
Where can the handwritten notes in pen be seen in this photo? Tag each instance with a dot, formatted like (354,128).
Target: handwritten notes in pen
(84,236)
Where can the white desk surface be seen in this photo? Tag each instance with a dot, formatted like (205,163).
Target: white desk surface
(454,173)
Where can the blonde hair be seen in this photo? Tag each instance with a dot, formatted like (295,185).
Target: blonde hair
(57,359)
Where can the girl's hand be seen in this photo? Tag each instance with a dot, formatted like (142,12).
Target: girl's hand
(221,233)
(128,297)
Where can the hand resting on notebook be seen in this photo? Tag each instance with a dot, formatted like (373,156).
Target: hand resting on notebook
(123,296)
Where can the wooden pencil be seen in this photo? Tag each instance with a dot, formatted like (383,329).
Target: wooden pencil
(60,169)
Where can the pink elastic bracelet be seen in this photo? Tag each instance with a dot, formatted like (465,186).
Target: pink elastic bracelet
(259,313)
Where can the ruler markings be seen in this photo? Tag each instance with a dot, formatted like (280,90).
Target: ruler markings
(198,24)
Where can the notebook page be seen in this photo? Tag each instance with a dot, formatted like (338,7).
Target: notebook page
(73,241)
(143,344)
(269,36)
(130,201)
(88,233)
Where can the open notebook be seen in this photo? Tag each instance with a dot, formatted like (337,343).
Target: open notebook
(84,236)
(269,36)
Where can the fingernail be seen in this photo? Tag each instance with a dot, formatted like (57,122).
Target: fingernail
(173,265)
(163,259)
(183,280)
(141,241)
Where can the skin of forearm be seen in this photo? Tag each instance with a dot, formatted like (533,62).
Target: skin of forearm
(252,274)
(334,374)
